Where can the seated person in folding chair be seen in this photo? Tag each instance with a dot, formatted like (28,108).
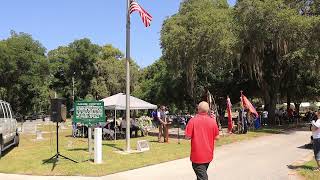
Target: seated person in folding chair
(108,132)
(135,127)
(123,125)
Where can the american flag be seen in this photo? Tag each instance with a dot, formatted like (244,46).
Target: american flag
(212,114)
(145,16)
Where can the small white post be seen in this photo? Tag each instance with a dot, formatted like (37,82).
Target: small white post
(90,139)
(115,124)
(97,145)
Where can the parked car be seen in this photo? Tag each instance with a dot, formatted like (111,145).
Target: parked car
(8,127)
(28,117)
(34,116)
(19,117)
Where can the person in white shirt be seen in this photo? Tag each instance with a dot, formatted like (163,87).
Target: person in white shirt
(264,117)
(123,123)
(316,139)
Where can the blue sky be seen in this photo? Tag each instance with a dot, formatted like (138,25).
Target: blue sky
(59,22)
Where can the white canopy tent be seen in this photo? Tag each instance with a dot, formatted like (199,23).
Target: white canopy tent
(118,102)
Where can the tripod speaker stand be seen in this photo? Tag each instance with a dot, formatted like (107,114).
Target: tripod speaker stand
(58,114)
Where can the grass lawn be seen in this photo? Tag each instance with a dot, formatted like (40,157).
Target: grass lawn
(29,156)
(306,170)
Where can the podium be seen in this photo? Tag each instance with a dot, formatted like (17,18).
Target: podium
(166,131)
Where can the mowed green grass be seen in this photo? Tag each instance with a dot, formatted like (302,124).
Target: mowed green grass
(28,158)
(306,170)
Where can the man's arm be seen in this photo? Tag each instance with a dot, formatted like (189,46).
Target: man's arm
(217,137)
(313,126)
(216,130)
(159,117)
(189,130)
(162,122)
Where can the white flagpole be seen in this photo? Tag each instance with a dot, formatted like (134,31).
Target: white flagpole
(128,78)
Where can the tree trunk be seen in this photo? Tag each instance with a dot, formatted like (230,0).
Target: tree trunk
(270,105)
(272,108)
(288,101)
(297,107)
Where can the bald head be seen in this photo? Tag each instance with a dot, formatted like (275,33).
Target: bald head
(203,107)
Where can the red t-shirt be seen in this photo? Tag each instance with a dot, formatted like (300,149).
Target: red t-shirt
(202,130)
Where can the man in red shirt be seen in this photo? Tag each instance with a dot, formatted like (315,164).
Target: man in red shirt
(203,131)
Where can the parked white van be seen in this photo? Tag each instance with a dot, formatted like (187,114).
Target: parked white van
(8,127)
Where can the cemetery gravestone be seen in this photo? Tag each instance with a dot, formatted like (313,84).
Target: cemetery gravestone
(39,135)
(29,127)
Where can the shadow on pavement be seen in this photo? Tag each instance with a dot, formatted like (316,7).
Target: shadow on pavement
(306,146)
(271,131)
(293,167)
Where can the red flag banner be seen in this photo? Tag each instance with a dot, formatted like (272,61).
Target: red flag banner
(145,16)
(247,105)
(229,111)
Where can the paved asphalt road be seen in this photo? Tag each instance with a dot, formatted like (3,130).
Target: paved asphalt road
(263,158)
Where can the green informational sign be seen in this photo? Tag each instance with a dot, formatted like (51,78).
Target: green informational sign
(89,112)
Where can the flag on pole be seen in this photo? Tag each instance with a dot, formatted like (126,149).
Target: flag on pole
(212,114)
(210,102)
(145,16)
(229,105)
(246,104)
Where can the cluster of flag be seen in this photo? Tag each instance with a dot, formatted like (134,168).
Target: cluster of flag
(212,115)
(145,16)
(245,104)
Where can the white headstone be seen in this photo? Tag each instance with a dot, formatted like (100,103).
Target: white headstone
(39,135)
(29,127)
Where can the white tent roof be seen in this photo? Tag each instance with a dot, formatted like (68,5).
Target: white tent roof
(305,104)
(118,102)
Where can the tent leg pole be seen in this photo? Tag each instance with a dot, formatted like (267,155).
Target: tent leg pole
(115,125)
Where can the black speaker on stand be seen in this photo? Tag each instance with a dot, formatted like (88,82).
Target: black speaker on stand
(58,114)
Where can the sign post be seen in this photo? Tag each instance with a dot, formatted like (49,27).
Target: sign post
(89,113)
(98,145)
(90,139)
